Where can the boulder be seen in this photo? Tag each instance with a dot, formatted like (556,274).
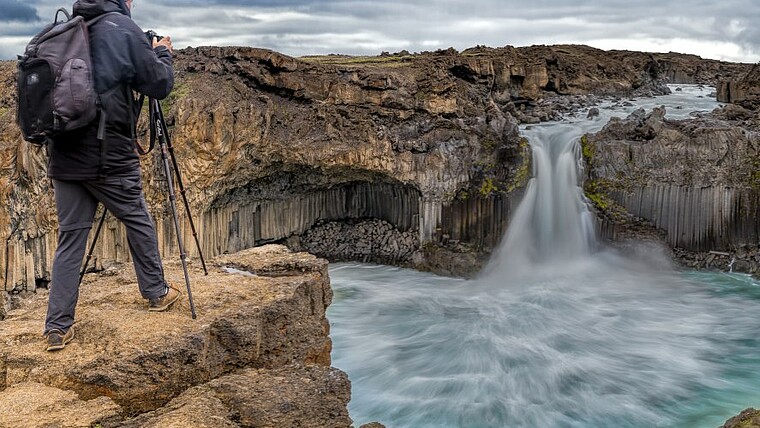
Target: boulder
(288,397)
(749,418)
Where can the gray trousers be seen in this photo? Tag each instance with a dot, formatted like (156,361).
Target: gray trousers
(76,203)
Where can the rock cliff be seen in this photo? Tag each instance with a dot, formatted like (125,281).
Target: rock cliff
(744,91)
(421,151)
(694,180)
(257,355)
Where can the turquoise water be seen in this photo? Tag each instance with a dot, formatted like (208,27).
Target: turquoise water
(607,342)
(557,331)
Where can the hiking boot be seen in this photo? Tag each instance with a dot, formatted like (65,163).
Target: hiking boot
(163,303)
(57,340)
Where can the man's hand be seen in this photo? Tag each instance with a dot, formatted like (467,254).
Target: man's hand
(165,41)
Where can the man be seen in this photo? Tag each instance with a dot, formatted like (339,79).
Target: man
(87,168)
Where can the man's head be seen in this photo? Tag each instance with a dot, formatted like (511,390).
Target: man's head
(128,4)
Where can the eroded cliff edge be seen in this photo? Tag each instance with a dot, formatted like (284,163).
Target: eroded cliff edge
(257,355)
(404,159)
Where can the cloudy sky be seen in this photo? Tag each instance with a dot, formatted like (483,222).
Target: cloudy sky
(719,29)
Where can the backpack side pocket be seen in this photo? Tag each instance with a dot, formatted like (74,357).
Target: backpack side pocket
(35,98)
(73,97)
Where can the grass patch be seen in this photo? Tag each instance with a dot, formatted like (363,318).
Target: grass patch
(384,60)
(181,90)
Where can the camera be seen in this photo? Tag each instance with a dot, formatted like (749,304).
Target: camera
(150,34)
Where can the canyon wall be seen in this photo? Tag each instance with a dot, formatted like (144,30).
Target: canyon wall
(419,151)
(696,182)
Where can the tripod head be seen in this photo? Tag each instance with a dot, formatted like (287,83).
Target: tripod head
(150,34)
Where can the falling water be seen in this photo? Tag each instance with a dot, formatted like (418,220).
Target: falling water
(558,331)
(553,222)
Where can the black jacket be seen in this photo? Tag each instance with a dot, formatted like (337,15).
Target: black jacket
(123,60)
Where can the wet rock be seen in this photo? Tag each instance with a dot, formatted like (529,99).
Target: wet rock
(694,179)
(369,241)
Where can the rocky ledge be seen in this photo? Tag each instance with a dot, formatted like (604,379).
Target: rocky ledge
(258,353)
(692,183)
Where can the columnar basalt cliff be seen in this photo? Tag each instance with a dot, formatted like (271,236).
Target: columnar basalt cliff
(695,181)
(744,91)
(424,148)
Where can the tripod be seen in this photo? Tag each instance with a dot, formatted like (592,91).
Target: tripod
(160,133)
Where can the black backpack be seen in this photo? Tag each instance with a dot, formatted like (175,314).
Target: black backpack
(56,91)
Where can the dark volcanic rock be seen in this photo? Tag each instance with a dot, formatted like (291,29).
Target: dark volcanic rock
(694,179)
(743,90)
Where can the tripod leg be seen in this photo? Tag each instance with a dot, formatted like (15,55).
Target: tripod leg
(161,133)
(181,187)
(92,246)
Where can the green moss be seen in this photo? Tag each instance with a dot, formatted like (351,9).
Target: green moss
(596,192)
(181,90)
(600,200)
(588,149)
(523,173)
(754,175)
(488,144)
(487,187)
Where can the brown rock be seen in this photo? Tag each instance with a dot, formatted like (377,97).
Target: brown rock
(142,360)
(744,90)
(310,396)
(749,418)
(34,405)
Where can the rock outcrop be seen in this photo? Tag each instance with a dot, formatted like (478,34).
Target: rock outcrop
(257,355)
(749,418)
(744,91)
(696,180)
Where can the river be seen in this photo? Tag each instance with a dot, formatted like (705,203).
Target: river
(559,330)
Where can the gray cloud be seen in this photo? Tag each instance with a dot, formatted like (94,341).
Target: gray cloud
(722,30)
(15,10)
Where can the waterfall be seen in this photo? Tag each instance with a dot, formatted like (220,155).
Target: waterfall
(553,223)
(553,227)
